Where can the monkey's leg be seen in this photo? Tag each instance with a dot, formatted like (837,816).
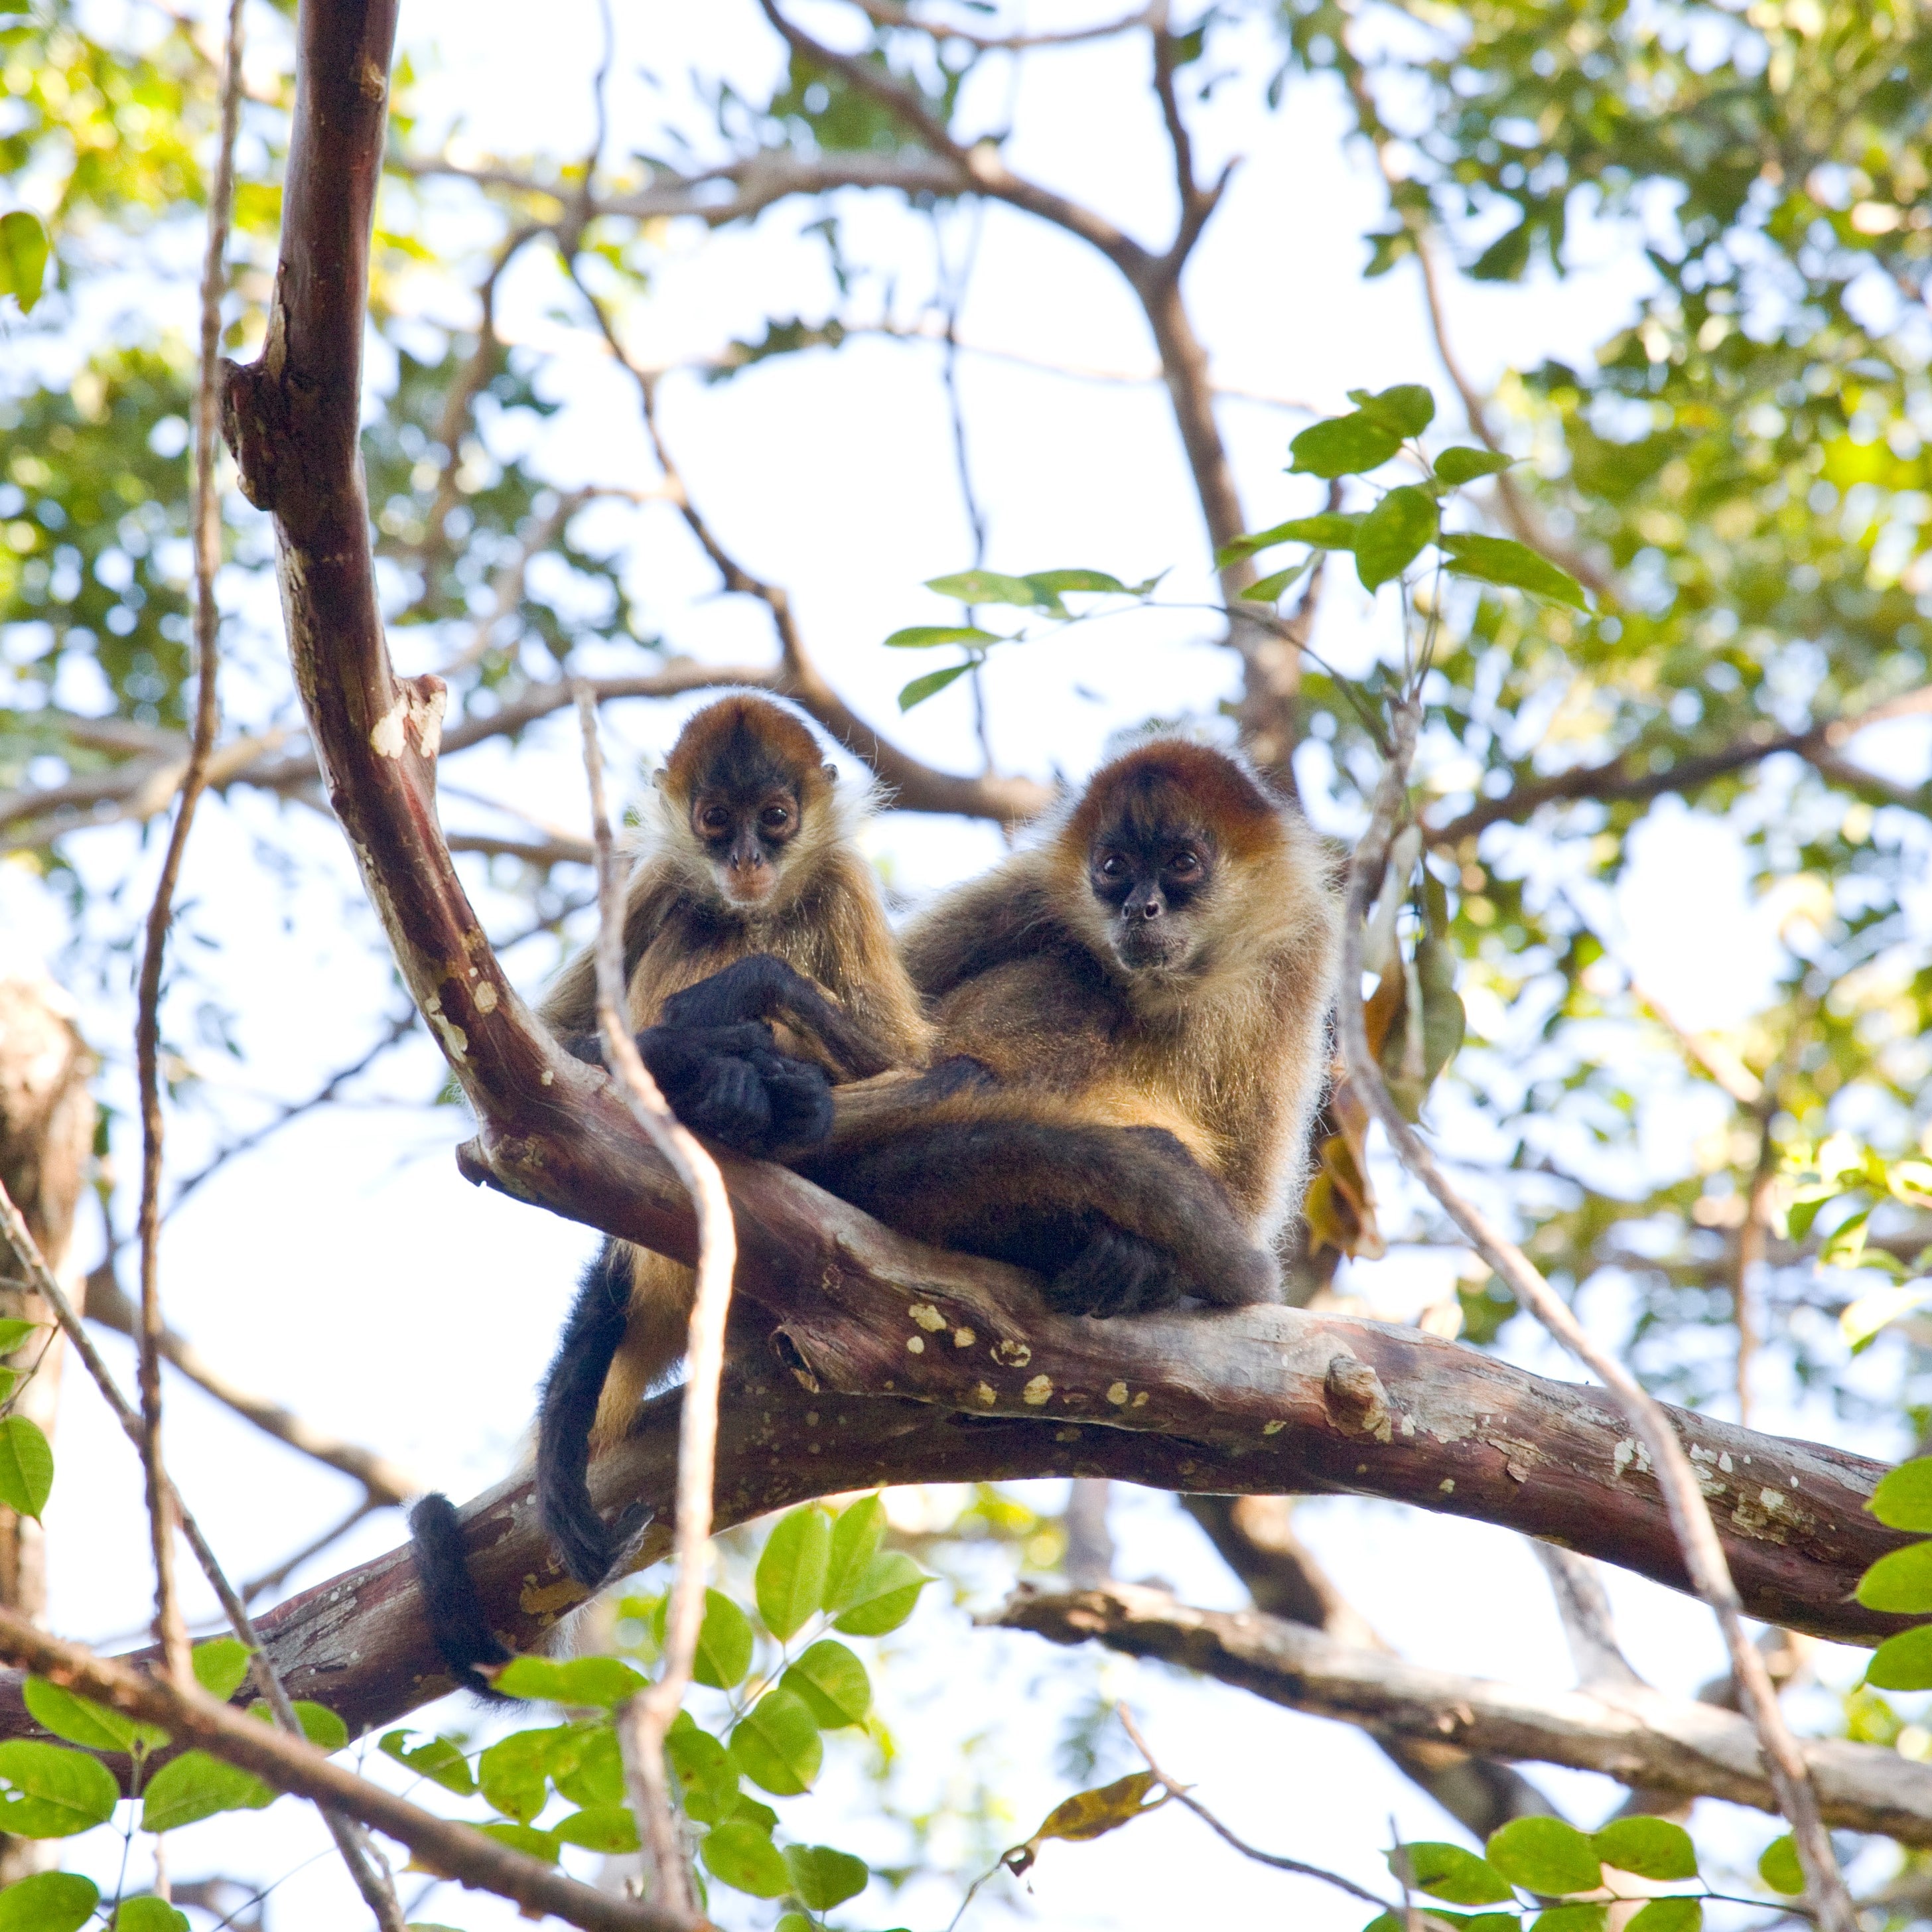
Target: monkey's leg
(450,1601)
(1119,1220)
(761,986)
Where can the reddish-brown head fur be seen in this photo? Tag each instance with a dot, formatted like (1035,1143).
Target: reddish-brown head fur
(740,737)
(1175,781)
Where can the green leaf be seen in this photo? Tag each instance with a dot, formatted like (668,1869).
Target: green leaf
(1333,529)
(1503,560)
(598,1828)
(1903,1498)
(602,1683)
(320,1725)
(1342,446)
(931,685)
(777,1746)
(723,1644)
(822,1878)
(794,1922)
(1668,1915)
(1448,1872)
(1573,1918)
(1646,1848)
(791,1579)
(1405,410)
(923,637)
(1464,465)
(1057,583)
(746,1859)
(23,258)
(700,1759)
(81,1721)
(26,1466)
(1271,588)
(1544,1855)
(196,1785)
(991,586)
(1779,1867)
(13,1332)
(745,1809)
(513,1773)
(221,1667)
(599,1777)
(832,1683)
(1904,1662)
(1505,258)
(887,1594)
(48,1902)
(149,1914)
(524,1838)
(1900,1581)
(1392,534)
(857,1532)
(47,1791)
(440,1760)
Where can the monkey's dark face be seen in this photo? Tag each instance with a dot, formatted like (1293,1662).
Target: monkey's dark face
(745,830)
(1153,874)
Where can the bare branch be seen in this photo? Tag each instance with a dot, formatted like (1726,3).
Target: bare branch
(889,14)
(1617,781)
(1638,1736)
(293,1764)
(385,1482)
(1584,1608)
(1691,1515)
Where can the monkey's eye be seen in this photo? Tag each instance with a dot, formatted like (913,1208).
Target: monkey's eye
(1112,867)
(715,818)
(1186,864)
(775,817)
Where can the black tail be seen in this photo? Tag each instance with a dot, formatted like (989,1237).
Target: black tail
(450,1598)
(588,1545)
(1119,1219)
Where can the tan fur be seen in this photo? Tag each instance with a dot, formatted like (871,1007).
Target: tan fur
(1227,1052)
(825,917)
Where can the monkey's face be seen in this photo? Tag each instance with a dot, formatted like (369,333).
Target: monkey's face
(1153,875)
(745,831)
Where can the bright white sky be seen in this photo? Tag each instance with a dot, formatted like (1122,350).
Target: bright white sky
(348,1272)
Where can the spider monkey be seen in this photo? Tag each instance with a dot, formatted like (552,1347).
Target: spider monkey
(753,862)
(1162,962)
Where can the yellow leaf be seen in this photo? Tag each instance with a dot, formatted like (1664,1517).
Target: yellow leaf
(1089,1814)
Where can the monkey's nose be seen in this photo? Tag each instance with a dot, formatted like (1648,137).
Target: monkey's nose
(1151,910)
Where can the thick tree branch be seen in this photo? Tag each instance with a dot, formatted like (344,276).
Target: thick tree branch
(1638,1736)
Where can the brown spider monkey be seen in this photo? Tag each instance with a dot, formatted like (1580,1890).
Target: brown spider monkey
(1200,1037)
(1162,962)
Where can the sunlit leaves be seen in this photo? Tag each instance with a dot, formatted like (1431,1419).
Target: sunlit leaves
(48,1902)
(1449,1872)
(149,1914)
(1461,464)
(745,1858)
(598,1682)
(886,1594)
(1502,560)
(1342,446)
(832,1683)
(1544,1855)
(1900,1582)
(26,1466)
(930,684)
(776,1744)
(1646,1848)
(1392,535)
(79,1720)
(1778,1867)
(221,1667)
(439,1759)
(1331,529)
(23,257)
(925,637)
(822,1877)
(599,1828)
(1904,1662)
(47,1791)
(196,1785)
(1903,1498)
(790,1581)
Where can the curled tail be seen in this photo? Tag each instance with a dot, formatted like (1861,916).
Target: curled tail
(1119,1219)
(450,1600)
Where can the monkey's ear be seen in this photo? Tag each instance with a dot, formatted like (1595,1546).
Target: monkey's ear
(659,777)
(831,772)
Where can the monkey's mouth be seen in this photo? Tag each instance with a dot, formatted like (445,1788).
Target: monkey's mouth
(747,885)
(1147,945)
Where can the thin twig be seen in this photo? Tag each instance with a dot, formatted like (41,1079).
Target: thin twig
(644,1720)
(1697,1537)
(1276,1859)
(371,1876)
(207,532)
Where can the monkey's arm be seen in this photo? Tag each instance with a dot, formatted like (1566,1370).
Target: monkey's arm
(762,986)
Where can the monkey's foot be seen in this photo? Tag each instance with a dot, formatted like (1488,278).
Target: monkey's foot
(1117,1273)
(731,1085)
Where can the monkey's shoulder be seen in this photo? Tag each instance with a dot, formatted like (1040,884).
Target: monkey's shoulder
(1013,913)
